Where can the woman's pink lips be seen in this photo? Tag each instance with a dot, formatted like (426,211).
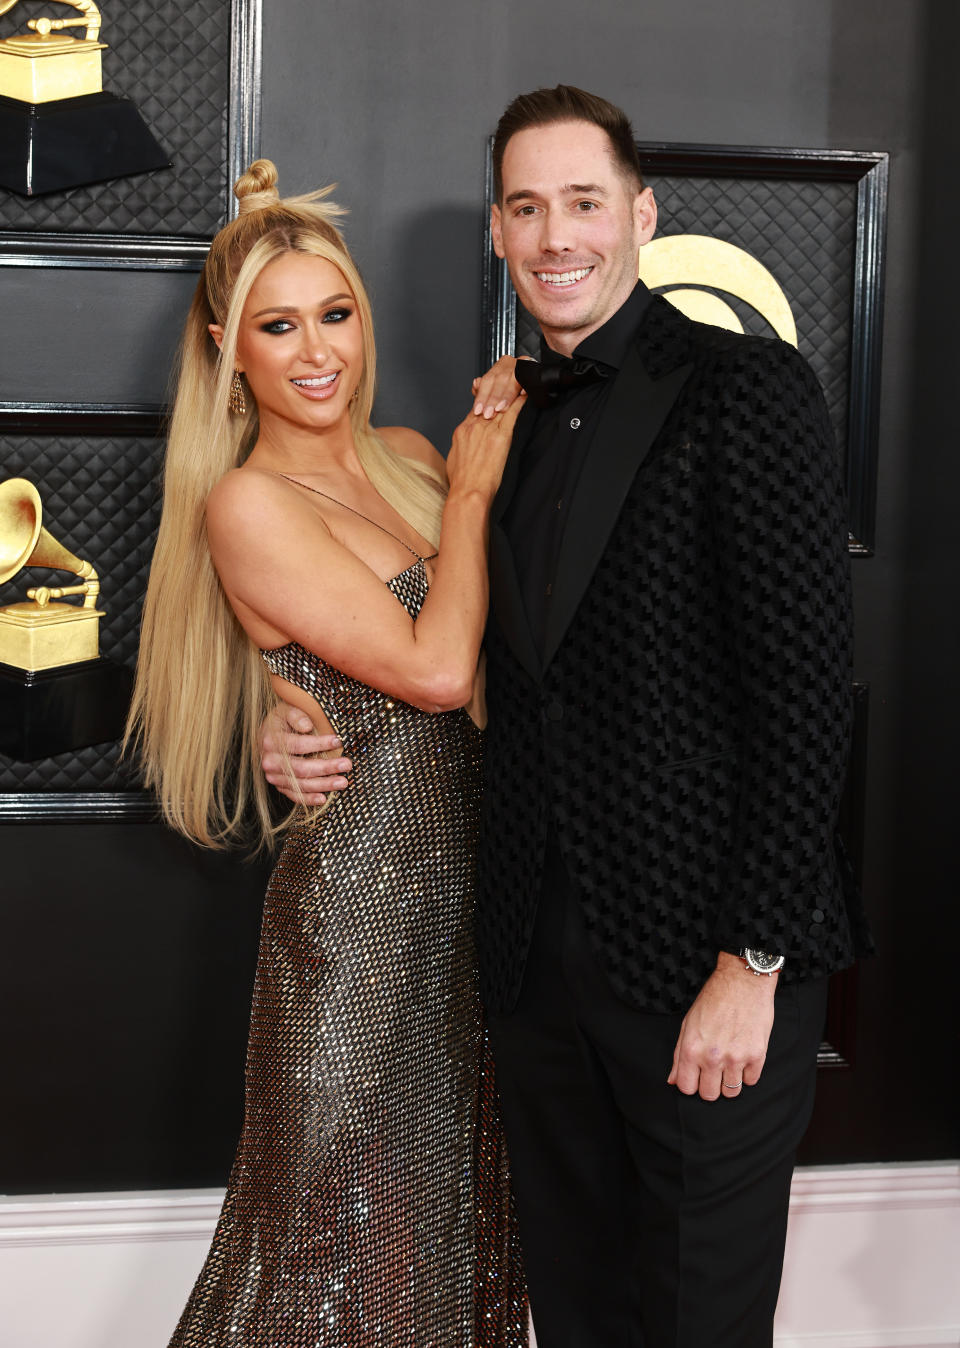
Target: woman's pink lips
(317,392)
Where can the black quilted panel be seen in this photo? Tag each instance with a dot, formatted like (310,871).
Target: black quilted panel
(804,233)
(101,499)
(173,61)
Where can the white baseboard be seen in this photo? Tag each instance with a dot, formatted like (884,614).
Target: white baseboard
(875,1338)
(100,1270)
(872,1262)
(106,1219)
(873,1258)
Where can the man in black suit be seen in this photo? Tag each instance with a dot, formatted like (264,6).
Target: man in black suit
(669,582)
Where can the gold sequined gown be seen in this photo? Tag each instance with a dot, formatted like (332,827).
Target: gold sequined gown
(369,1206)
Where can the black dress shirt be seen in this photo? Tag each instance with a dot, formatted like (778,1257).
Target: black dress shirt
(554,455)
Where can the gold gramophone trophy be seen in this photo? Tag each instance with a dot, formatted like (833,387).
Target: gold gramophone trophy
(56,691)
(58,128)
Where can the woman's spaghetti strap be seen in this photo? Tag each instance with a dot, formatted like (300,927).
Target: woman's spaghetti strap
(344,506)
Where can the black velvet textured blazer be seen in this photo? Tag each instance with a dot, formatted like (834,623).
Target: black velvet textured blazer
(697,660)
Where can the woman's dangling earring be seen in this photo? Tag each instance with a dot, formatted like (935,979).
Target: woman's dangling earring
(238,401)
(354,395)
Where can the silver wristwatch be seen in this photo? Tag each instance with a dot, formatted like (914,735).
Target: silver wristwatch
(760,963)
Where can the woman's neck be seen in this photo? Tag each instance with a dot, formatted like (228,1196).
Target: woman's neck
(283,447)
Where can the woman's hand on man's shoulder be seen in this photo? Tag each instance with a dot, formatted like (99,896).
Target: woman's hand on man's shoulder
(495,391)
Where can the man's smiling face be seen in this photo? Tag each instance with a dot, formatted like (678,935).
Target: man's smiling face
(570,227)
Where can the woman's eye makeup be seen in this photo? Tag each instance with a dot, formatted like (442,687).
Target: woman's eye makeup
(278,326)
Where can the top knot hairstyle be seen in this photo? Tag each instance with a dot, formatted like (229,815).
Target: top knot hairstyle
(566,103)
(201,689)
(257,188)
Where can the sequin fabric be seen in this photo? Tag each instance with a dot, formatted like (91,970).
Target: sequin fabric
(369,1203)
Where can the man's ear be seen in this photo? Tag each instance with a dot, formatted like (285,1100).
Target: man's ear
(496,231)
(645,216)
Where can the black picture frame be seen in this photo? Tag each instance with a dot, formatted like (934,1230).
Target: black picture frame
(62,422)
(867,173)
(127,251)
(156,252)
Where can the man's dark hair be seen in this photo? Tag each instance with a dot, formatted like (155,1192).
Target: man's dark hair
(565,103)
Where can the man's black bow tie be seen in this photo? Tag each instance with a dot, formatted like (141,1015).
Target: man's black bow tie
(544,383)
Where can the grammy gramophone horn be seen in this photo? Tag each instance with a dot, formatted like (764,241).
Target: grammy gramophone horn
(24,542)
(20,516)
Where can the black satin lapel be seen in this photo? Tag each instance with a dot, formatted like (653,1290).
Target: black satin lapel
(631,420)
(506,603)
(508,484)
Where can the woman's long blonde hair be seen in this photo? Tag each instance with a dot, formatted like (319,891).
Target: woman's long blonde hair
(202,688)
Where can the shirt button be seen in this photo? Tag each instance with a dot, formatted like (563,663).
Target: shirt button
(817,915)
(574,423)
(554,711)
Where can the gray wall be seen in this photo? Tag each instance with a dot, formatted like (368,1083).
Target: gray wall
(395,103)
(128,943)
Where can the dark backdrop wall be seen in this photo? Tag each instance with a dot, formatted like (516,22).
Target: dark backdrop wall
(132,954)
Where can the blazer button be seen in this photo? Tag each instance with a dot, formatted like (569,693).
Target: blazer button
(817,915)
(554,711)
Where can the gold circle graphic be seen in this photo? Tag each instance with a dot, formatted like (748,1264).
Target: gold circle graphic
(677,262)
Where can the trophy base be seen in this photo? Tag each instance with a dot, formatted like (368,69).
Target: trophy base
(33,73)
(48,147)
(55,711)
(33,638)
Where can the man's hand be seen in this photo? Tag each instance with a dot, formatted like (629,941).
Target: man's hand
(303,779)
(724,1036)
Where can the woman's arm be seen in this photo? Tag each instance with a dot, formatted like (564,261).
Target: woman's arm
(289,579)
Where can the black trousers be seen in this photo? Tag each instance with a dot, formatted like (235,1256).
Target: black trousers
(648,1218)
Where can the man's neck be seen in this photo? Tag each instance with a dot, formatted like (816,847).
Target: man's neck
(564,341)
(607,341)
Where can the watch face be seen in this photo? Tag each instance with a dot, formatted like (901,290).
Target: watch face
(759,959)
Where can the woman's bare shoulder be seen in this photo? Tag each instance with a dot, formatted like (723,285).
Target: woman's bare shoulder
(242,492)
(410,444)
(253,503)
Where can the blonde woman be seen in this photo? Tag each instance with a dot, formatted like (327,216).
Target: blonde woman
(305,555)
